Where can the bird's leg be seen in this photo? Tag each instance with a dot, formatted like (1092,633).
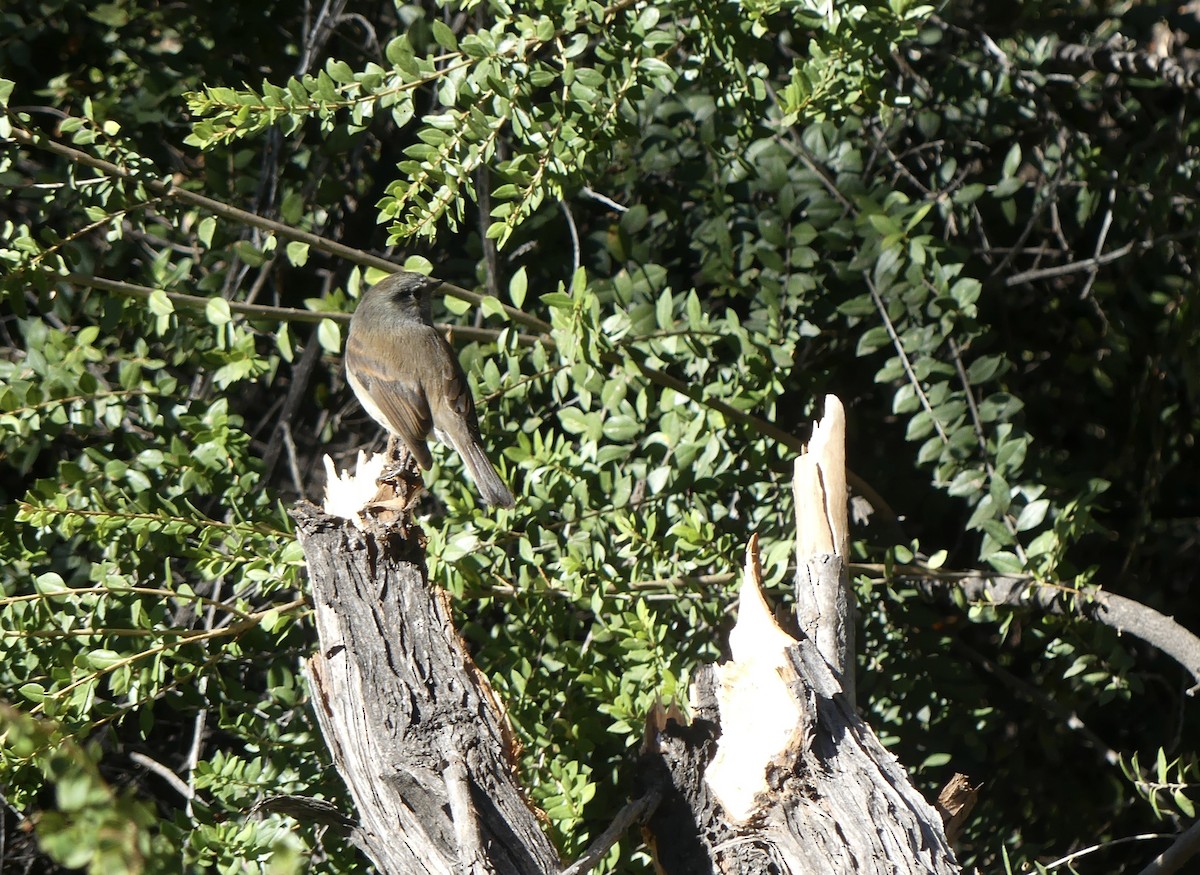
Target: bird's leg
(400,483)
(398,460)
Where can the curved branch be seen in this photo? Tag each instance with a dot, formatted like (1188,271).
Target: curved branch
(1108,59)
(1186,846)
(1091,603)
(264,311)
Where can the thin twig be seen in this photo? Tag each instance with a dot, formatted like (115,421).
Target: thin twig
(981,438)
(908,368)
(636,811)
(301,374)
(293,459)
(483,188)
(603,199)
(1100,238)
(167,775)
(1083,852)
(264,311)
(193,759)
(1089,264)
(562,205)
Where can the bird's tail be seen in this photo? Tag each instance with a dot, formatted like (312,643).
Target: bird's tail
(492,489)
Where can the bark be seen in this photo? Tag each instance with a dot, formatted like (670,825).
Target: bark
(413,727)
(775,771)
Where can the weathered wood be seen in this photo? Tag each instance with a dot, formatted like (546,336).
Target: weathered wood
(824,600)
(955,802)
(776,772)
(413,728)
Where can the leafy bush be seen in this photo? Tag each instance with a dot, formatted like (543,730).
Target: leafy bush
(686,223)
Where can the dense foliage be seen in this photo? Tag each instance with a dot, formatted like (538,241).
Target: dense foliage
(706,216)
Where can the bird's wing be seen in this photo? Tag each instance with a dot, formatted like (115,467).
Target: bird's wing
(399,401)
(457,392)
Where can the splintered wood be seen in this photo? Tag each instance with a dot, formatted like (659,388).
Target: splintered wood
(824,601)
(347,493)
(759,714)
(793,781)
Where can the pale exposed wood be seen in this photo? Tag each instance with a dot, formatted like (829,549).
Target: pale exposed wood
(825,459)
(758,715)
(346,493)
(824,601)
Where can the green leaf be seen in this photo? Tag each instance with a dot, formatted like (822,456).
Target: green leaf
(1012,161)
(491,306)
(621,428)
(398,51)
(1184,804)
(983,369)
(1032,515)
(49,583)
(1006,563)
(205,229)
(573,420)
(663,310)
(160,304)
(457,306)
(329,335)
(283,342)
(339,71)
(416,263)
(102,658)
(444,36)
(297,253)
(517,287)
(32,691)
(217,311)
(558,301)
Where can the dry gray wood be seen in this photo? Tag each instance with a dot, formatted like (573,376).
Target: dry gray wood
(413,728)
(824,599)
(835,801)
(825,796)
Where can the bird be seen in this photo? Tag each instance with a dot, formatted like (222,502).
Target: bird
(408,379)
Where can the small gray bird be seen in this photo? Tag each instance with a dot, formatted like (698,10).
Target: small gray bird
(407,377)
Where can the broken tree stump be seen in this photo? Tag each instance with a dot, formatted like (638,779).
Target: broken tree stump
(775,771)
(413,727)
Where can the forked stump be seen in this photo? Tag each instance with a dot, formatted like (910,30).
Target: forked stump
(776,772)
